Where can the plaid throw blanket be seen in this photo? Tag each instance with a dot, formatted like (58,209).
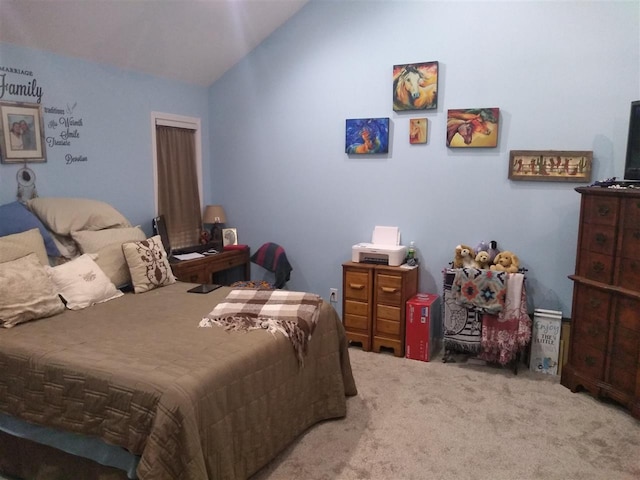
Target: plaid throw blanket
(294,314)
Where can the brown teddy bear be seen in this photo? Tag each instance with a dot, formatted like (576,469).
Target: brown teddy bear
(506,261)
(483,260)
(463,257)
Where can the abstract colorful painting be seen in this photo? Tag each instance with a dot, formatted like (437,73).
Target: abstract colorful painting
(418,130)
(367,135)
(415,86)
(473,127)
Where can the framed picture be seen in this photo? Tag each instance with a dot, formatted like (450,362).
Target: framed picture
(22,138)
(229,236)
(473,127)
(550,165)
(415,86)
(367,135)
(418,130)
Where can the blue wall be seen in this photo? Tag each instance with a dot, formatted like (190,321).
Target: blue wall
(562,73)
(115,136)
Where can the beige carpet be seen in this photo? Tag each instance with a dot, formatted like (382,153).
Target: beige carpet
(416,420)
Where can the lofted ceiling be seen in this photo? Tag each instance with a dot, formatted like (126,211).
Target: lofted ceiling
(193,41)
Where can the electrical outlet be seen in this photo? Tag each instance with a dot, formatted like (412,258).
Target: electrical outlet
(333,295)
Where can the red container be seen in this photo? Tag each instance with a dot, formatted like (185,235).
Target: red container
(422,326)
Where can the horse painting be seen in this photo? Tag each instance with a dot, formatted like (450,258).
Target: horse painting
(367,135)
(418,130)
(415,86)
(475,127)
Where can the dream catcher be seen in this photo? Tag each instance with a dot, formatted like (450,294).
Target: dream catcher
(26,184)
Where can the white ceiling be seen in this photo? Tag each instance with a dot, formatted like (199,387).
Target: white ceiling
(193,41)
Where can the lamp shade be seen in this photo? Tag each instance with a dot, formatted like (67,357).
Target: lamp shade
(214,214)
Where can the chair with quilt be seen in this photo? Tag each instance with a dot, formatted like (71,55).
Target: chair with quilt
(272,258)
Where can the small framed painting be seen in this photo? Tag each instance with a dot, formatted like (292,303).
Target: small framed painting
(367,135)
(473,127)
(550,165)
(229,237)
(417,130)
(22,138)
(415,86)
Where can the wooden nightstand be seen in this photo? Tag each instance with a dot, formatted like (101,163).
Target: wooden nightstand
(374,303)
(202,270)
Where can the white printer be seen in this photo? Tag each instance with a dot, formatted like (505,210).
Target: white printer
(384,249)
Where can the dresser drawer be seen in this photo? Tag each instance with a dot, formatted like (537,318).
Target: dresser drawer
(388,312)
(601,210)
(387,327)
(356,285)
(631,243)
(195,274)
(356,308)
(358,322)
(629,275)
(591,303)
(622,376)
(389,289)
(631,209)
(596,266)
(628,314)
(599,238)
(590,332)
(588,360)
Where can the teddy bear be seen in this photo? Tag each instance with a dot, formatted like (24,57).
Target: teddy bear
(506,261)
(464,257)
(482,260)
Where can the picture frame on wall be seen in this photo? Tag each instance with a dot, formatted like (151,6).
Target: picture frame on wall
(367,135)
(22,138)
(551,165)
(415,86)
(229,236)
(473,127)
(418,130)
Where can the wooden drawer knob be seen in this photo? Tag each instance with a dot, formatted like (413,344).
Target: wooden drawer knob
(590,361)
(603,210)
(598,267)
(636,234)
(389,289)
(601,238)
(356,286)
(594,303)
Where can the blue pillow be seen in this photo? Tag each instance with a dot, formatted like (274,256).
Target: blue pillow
(16,218)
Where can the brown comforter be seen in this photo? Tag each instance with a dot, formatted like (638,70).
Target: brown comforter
(194,403)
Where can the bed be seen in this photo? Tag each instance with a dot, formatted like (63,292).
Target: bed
(137,375)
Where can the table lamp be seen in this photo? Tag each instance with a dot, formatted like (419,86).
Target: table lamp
(214,215)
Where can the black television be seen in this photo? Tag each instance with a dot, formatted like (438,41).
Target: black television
(632,162)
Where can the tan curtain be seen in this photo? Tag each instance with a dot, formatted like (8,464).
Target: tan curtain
(178,196)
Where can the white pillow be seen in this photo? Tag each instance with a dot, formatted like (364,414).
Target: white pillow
(81,283)
(26,293)
(21,244)
(65,215)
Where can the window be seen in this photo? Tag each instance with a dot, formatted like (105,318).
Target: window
(178,176)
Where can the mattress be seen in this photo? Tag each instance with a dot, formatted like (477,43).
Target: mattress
(192,403)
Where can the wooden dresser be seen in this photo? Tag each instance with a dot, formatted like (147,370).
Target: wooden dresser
(374,303)
(604,356)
